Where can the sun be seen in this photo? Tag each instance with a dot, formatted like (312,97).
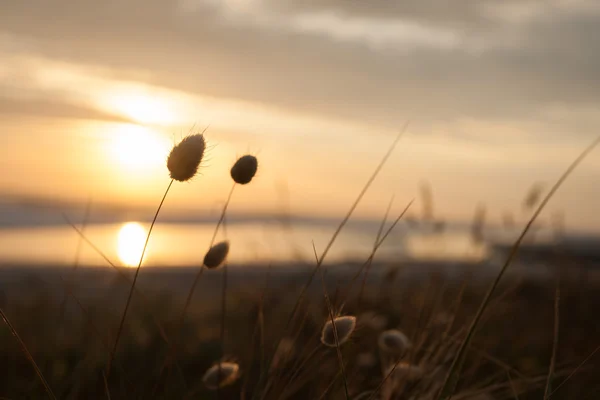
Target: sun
(130,243)
(139,148)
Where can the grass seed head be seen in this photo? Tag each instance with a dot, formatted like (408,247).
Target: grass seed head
(406,371)
(393,342)
(533,197)
(244,169)
(185,157)
(344,327)
(230,372)
(373,320)
(216,255)
(366,360)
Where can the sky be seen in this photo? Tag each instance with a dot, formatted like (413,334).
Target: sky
(500,94)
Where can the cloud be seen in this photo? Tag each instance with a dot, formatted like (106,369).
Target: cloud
(53,109)
(491,61)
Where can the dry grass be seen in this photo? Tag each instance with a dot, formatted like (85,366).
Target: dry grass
(516,338)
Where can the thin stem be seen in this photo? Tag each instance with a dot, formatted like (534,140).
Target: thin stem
(137,272)
(106,390)
(589,357)
(27,354)
(453,376)
(334,327)
(223,315)
(222,217)
(70,283)
(104,340)
(321,259)
(555,341)
(212,242)
(371,259)
(385,378)
(171,354)
(512,386)
(338,230)
(376,248)
(328,388)
(223,300)
(119,271)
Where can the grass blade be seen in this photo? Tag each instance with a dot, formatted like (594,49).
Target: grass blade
(137,272)
(28,355)
(453,376)
(555,341)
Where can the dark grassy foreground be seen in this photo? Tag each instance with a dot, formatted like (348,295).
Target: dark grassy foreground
(509,359)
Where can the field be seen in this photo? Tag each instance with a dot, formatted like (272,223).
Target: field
(508,359)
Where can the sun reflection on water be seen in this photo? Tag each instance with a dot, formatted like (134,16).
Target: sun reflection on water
(130,243)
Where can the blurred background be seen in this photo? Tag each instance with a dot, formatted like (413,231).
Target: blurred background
(500,96)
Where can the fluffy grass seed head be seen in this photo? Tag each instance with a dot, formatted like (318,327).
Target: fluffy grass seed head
(185,157)
(230,372)
(244,169)
(393,342)
(216,255)
(407,371)
(344,326)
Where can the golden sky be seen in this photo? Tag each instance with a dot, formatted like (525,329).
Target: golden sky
(500,94)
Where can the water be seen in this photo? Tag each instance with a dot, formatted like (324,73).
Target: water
(185,244)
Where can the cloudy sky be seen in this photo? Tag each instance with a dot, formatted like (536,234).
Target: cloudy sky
(500,94)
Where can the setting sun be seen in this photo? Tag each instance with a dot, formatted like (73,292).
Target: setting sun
(130,243)
(136,147)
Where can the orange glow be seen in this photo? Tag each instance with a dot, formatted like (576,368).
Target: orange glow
(138,148)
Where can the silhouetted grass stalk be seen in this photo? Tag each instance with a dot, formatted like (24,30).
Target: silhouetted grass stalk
(362,193)
(103,339)
(554,341)
(453,376)
(335,235)
(78,249)
(27,354)
(119,271)
(371,259)
(172,352)
(223,317)
(577,369)
(333,325)
(376,248)
(137,272)
(190,295)
(223,306)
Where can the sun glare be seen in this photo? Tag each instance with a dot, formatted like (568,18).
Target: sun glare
(139,148)
(130,243)
(144,109)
